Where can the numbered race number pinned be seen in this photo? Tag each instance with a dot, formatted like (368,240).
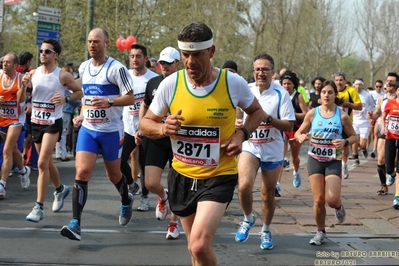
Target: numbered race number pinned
(95,115)
(261,134)
(43,113)
(196,145)
(9,110)
(134,109)
(322,150)
(393,125)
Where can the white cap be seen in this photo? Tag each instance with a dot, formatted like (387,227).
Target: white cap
(169,54)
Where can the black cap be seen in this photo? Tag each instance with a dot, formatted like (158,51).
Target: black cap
(230,64)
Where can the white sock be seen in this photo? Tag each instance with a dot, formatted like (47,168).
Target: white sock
(164,199)
(265,228)
(23,171)
(248,218)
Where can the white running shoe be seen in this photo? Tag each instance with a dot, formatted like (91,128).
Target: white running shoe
(58,202)
(340,214)
(25,181)
(2,192)
(318,239)
(173,231)
(35,215)
(345,171)
(144,204)
(162,209)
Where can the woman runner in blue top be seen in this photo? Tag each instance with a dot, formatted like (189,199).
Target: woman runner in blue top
(327,124)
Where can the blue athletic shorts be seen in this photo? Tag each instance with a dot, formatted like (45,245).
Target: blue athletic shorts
(270,165)
(5,129)
(109,143)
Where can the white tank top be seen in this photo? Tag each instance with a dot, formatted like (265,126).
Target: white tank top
(45,86)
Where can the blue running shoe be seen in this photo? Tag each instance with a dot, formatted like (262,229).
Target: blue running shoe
(297,180)
(126,211)
(243,232)
(396,202)
(390,180)
(266,241)
(72,230)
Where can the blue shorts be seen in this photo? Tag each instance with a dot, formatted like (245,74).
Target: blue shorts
(110,143)
(5,129)
(270,165)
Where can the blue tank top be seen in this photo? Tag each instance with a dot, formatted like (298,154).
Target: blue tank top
(324,131)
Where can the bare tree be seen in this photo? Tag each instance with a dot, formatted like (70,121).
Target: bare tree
(367,27)
(388,35)
(343,41)
(316,37)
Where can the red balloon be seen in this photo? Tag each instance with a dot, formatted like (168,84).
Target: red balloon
(120,43)
(129,41)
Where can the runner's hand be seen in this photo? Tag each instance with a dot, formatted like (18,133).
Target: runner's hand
(172,124)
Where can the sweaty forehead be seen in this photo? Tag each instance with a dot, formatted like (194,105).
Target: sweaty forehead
(8,58)
(262,63)
(136,52)
(96,35)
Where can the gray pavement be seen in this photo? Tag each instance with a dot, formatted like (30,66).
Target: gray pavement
(369,236)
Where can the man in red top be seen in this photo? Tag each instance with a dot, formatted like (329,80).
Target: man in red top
(391,131)
(12,93)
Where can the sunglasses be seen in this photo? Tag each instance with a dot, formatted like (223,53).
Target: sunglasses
(378,86)
(47,51)
(166,63)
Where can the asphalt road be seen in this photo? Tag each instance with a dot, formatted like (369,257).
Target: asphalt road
(142,241)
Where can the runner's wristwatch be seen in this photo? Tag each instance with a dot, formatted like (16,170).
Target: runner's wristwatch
(346,143)
(269,119)
(247,134)
(110,101)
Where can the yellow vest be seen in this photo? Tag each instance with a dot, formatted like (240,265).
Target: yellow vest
(209,121)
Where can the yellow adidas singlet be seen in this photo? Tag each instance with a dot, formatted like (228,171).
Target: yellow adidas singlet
(209,121)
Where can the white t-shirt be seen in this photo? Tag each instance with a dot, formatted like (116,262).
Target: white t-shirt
(368,105)
(267,142)
(131,112)
(376,95)
(239,92)
(110,80)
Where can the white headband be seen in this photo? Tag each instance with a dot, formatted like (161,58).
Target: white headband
(358,81)
(195,46)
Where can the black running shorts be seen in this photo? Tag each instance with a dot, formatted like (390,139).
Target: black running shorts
(39,130)
(185,192)
(324,168)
